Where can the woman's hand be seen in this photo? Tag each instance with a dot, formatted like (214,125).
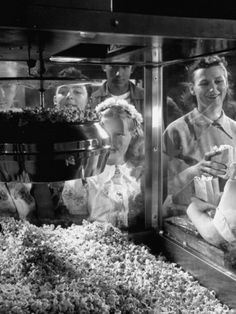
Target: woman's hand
(209,167)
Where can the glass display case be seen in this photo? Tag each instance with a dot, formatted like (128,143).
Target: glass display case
(46,47)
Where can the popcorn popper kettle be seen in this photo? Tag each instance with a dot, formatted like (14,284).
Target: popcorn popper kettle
(44,151)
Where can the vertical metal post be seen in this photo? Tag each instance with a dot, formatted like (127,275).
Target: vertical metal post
(153,123)
(41,72)
(41,95)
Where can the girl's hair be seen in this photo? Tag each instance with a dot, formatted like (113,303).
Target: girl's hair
(122,109)
(188,99)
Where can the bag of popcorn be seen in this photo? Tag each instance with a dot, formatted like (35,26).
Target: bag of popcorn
(207,189)
(226,155)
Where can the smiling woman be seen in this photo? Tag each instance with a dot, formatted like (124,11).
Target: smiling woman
(209,85)
(189,140)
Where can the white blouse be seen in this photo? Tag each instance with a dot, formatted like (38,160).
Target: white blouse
(107,197)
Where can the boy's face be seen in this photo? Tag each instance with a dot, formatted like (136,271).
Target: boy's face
(118,75)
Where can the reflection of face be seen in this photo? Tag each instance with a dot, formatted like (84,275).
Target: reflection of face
(7,94)
(120,138)
(118,75)
(72,95)
(210,87)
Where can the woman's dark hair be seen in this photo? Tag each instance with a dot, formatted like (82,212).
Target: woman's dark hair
(76,74)
(72,72)
(188,99)
(207,62)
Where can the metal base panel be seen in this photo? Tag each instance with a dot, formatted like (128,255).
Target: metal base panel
(213,277)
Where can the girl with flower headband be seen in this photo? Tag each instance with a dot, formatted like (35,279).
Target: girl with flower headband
(115,195)
(189,140)
(122,105)
(114,110)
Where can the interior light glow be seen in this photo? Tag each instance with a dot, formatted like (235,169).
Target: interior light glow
(66,59)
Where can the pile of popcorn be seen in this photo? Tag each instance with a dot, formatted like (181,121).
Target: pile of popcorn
(69,114)
(91,268)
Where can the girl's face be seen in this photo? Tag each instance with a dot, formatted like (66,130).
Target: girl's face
(120,136)
(210,87)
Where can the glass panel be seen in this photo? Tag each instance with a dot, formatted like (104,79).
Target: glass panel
(199,154)
(111,187)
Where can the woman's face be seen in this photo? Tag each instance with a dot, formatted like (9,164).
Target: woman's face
(210,87)
(120,138)
(7,95)
(72,95)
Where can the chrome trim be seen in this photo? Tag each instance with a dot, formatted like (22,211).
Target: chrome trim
(33,148)
(89,144)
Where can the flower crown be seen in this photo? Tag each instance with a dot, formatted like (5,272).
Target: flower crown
(122,103)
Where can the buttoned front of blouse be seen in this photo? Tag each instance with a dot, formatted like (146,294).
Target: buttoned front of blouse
(191,136)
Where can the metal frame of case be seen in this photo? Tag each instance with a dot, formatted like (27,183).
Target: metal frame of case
(55,28)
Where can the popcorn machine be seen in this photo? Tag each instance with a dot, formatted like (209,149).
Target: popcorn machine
(42,38)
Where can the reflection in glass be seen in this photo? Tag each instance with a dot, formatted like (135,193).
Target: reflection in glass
(199,148)
(64,202)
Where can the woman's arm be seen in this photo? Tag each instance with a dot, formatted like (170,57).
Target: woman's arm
(179,180)
(183,168)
